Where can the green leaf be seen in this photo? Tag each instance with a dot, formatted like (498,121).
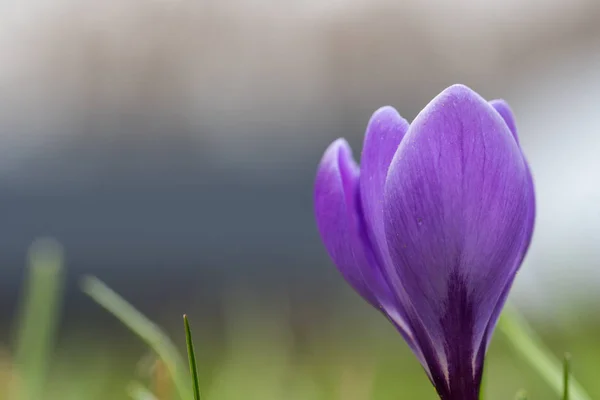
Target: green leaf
(192,357)
(531,348)
(566,375)
(38,317)
(144,328)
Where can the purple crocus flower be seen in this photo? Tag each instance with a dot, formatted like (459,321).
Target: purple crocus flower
(433,226)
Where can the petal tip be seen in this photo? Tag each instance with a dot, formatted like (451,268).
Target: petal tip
(333,151)
(459,90)
(385,111)
(458,97)
(337,145)
(502,108)
(500,103)
(386,116)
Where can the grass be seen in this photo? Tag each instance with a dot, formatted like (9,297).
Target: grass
(192,358)
(533,351)
(261,358)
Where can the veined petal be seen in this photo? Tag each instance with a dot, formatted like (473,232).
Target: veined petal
(336,189)
(342,226)
(456,211)
(384,133)
(525,242)
(506,113)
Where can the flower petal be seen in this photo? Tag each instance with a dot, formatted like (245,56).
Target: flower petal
(526,241)
(384,132)
(342,227)
(336,188)
(456,205)
(383,136)
(506,113)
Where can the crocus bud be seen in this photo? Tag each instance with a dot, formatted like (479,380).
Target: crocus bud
(432,228)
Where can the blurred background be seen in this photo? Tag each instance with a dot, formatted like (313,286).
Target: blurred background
(170,146)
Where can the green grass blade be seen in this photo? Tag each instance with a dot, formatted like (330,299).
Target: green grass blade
(144,328)
(192,358)
(566,375)
(40,311)
(531,348)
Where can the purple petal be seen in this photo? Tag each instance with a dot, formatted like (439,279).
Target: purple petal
(456,214)
(526,241)
(506,113)
(384,134)
(336,189)
(342,227)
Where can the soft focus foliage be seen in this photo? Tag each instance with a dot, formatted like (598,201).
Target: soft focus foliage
(353,357)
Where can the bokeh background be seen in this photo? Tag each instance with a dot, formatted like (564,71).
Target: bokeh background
(170,146)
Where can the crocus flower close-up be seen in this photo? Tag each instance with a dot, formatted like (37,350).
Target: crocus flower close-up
(433,226)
